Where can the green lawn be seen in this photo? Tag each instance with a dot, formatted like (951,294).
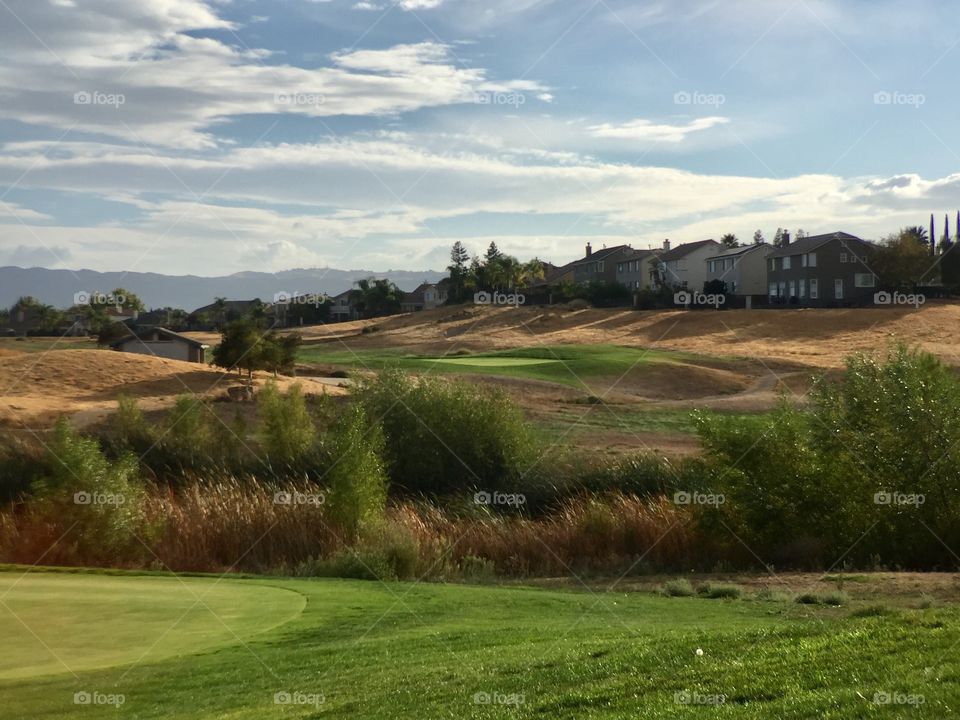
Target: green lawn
(567,364)
(353,649)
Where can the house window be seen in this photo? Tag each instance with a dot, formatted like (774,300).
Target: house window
(786,263)
(619,267)
(814,290)
(811,261)
(600,266)
(838,288)
(773,289)
(803,289)
(733,287)
(773,263)
(843,257)
(782,289)
(863,280)
(711,266)
(793,288)
(803,261)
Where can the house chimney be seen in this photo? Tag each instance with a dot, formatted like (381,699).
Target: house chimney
(786,238)
(589,250)
(666,245)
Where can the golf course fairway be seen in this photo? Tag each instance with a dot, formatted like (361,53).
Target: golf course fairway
(84,645)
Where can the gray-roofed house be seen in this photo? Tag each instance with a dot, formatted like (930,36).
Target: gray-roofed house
(743,269)
(163,343)
(599,265)
(635,269)
(685,265)
(821,270)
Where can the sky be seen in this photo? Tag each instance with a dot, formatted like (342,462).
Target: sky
(209,137)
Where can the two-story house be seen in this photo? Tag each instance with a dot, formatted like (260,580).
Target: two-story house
(685,265)
(743,269)
(426,297)
(599,265)
(635,270)
(821,270)
(343,306)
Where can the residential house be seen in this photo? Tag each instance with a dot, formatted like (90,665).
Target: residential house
(343,307)
(161,342)
(599,265)
(743,269)
(636,269)
(426,297)
(821,270)
(213,315)
(685,265)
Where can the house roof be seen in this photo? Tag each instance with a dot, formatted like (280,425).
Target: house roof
(144,332)
(812,242)
(681,251)
(238,306)
(602,254)
(741,250)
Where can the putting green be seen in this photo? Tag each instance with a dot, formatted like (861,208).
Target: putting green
(493,361)
(69,623)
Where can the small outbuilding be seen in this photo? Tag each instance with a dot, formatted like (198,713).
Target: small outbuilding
(161,342)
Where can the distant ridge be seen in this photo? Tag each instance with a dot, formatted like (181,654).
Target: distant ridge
(57,287)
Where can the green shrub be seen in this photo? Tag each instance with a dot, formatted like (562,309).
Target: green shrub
(447,437)
(717,590)
(871,611)
(678,588)
(477,569)
(286,430)
(97,505)
(129,428)
(834,597)
(357,475)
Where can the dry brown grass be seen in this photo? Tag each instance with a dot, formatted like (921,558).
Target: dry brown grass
(236,525)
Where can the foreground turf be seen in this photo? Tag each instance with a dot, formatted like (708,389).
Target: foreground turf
(566,364)
(367,650)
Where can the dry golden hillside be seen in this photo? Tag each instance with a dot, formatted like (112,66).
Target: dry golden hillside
(36,387)
(814,338)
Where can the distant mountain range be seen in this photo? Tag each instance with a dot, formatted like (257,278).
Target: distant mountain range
(58,287)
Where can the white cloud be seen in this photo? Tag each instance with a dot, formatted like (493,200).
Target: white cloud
(131,70)
(641,129)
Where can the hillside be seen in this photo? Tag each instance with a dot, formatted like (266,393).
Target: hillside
(36,387)
(802,338)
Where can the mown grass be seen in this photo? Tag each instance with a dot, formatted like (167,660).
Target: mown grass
(411,651)
(565,364)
